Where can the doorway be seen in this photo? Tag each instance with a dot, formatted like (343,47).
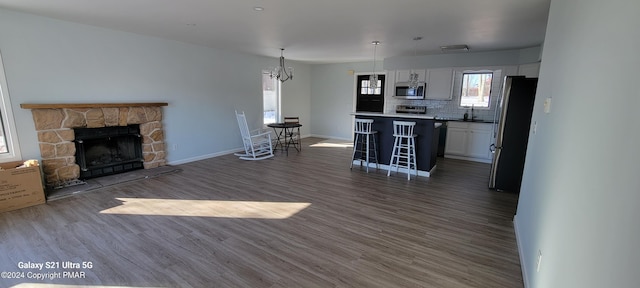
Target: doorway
(370,99)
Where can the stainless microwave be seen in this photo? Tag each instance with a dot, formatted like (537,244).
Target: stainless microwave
(403,91)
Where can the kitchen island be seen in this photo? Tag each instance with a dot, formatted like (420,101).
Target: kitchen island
(426,143)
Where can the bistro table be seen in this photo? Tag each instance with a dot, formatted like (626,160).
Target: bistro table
(282,131)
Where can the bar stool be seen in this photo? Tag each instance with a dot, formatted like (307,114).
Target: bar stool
(404,148)
(362,143)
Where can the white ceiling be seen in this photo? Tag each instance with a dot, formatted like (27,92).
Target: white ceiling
(314,31)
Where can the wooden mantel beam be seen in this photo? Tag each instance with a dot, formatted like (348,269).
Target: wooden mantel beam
(89,105)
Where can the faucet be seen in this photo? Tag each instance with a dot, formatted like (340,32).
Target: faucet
(473,117)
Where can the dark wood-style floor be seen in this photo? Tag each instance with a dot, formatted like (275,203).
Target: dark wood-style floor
(302,220)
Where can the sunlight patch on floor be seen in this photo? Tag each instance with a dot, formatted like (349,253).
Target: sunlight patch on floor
(333,143)
(207,208)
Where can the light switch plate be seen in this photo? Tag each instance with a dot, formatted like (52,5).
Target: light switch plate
(538,261)
(547,105)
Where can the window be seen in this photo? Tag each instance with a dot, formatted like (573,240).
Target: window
(476,89)
(9,148)
(270,98)
(365,86)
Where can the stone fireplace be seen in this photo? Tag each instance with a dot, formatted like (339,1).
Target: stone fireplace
(55,125)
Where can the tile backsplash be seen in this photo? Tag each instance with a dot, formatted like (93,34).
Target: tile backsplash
(450,108)
(441,108)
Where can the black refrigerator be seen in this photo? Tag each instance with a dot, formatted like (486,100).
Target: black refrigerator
(511,132)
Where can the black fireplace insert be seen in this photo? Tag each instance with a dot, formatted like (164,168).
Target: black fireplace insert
(108,150)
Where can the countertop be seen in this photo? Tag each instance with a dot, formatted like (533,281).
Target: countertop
(418,116)
(462,120)
(401,115)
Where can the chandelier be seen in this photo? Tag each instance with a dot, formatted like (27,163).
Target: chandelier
(413,76)
(373,79)
(281,72)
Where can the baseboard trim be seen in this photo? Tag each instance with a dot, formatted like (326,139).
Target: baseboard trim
(206,156)
(385,167)
(523,265)
(331,137)
(211,155)
(226,152)
(468,158)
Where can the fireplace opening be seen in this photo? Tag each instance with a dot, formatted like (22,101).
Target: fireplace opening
(108,150)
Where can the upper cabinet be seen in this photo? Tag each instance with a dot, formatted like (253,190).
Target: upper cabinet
(390,84)
(529,70)
(403,75)
(439,84)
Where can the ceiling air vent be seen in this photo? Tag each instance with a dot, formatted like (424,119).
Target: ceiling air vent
(454,48)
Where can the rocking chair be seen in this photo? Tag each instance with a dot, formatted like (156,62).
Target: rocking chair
(257,144)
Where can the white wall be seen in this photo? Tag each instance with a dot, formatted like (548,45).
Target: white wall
(581,187)
(465,59)
(52,61)
(332,98)
(296,95)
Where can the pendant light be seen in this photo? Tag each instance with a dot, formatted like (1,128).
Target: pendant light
(282,72)
(373,79)
(413,76)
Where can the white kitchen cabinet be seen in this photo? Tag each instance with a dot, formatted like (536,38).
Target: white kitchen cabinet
(479,141)
(469,141)
(403,75)
(456,143)
(439,84)
(390,85)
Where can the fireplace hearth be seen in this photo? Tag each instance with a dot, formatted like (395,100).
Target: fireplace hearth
(108,150)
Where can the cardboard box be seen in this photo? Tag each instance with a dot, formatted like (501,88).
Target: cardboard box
(20,187)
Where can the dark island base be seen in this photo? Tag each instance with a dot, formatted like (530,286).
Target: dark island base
(426,142)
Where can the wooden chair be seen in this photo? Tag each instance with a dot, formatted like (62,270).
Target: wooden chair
(257,143)
(293,134)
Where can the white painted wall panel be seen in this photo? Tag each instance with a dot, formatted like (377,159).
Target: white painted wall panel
(52,61)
